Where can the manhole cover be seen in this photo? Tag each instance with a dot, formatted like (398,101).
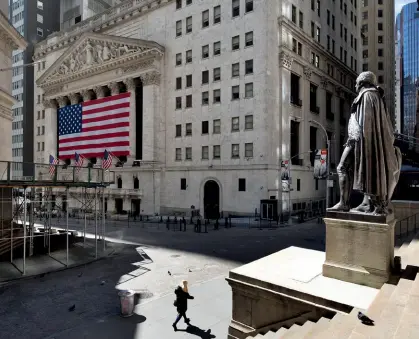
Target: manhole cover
(175,255)
(145,294)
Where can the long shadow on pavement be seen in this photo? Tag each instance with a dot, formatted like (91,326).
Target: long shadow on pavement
(198,332)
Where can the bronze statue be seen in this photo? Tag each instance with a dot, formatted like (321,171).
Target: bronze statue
(370,163)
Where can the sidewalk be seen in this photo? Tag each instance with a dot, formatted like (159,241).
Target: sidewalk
(211,309)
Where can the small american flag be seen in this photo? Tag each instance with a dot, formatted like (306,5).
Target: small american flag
(94,126)
(79,161)
(107,160)
(52,164)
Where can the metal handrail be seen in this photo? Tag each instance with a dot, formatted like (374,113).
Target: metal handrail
(407,220)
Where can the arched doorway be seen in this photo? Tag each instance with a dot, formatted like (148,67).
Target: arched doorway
(211,200)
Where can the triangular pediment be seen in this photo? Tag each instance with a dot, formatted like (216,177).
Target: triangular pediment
(94,52)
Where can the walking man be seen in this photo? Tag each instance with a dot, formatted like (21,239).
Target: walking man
(181,303)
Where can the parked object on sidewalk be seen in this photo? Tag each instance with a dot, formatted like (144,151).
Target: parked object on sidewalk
(181,303)
(126,299)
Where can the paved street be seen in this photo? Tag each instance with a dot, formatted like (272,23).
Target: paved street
(38,308)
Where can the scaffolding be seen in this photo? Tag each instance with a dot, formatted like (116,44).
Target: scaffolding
(35,216)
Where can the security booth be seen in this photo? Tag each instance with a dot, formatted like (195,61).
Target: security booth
(269,209)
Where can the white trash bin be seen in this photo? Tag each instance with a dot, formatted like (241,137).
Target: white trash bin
(127,302)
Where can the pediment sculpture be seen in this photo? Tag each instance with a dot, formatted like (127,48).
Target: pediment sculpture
(94,52)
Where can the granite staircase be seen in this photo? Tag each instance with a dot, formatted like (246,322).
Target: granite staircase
(395,309)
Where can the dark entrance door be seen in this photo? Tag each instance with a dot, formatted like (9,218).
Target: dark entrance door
(119,205)
(135,207)
(211,200)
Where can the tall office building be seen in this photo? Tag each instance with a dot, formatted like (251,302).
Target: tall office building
(34,20)
(377,29)
(407,30)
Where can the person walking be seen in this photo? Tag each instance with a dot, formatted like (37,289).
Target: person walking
(181,303)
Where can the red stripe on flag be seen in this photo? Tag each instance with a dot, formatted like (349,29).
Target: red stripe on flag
(106,99)
(104,127)
(89,146)
(110,116)
(107,108)
(96,137)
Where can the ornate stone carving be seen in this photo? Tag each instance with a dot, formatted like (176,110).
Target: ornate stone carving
(307,72)
(62,101)
(86,94)
(151,78)
(49,104)
(114,87)
(285,60)
(130,84)
(53,90)
(141,65)
(74,98)
(100,91)
(324,83)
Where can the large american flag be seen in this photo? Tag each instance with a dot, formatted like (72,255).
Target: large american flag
(93,126)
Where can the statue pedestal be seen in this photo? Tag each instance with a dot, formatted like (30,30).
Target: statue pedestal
(359,248)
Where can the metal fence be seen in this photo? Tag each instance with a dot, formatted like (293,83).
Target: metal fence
(406,226)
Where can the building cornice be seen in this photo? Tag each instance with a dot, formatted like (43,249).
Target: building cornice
(114,16)
(9,34)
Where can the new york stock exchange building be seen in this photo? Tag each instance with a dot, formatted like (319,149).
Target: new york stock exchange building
(209,104)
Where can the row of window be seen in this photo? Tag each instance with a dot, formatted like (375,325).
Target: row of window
(17,111)
(364,3)
(40,146)
(216,128)
(39,98)
(235,95)
(216,152)
(241,184)
(40,130)
(41,66)
(235,72)
(17,71)
(17,125)
(39,116)
(205,50)
(17,138)
(18,57)
(17,152)
(18,97)
(17,84)
(205,21)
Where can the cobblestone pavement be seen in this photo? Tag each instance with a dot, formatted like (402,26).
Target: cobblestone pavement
(38,308)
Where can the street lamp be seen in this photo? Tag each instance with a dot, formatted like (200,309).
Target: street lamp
(328,158)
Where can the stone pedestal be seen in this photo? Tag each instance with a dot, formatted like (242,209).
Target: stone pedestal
(359,248)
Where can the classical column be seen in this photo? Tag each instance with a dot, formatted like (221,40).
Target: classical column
(130,85)
(114,87)
(153,119)
(100,91)
(86,94)
(62,101)
(74,98)
(51,119)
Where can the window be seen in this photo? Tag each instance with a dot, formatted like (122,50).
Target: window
(39,146)
(188,56)
(313,142)
(380,79)
(217,14)
(299,181)
(294,45)
(318,34)
(313,99)
(295,89)
(189,80)
(312,30)
(178,59)
(183,184)
(205,127)
(178,131)
(189,24)
(205,18)
(235,43)
(179,83)
(39,115)
(205,51)
(235,70)
(188,129)
(295,142)
(365,53)
(242,185)
(39,18)
(249,6)
(216,126)
(42,146)
(235,151)
(313,5)
(249,39)
(217,48)
(301,21)
(39,31)
(216,151)
(188,2)
(248,66)
(217,74)
(43,130)
(380,13)
(248,122)
(333,22)
(43,114)
(178,4)
(189,101)
(300,49)
(178,28)
(205,153)
(205,77)
(380,52)
(39,99)
(248,90)
(329,102)
(205,98)
(380,26)
(328,17)
(40,5)
(178,102)
(235,124)
(217,96)
(235,8)
(294,14)
(380,66)
(235,92)
(318,7)
(38,131)
(248,150)
(380,39)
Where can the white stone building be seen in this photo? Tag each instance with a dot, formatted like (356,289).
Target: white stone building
(220,87)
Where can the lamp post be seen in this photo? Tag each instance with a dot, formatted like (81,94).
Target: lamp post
(328,158)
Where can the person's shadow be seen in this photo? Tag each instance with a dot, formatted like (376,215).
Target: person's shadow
(198,332)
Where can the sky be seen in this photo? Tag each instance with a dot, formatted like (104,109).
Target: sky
(400,3)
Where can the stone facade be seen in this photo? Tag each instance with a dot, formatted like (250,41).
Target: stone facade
(155,38)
